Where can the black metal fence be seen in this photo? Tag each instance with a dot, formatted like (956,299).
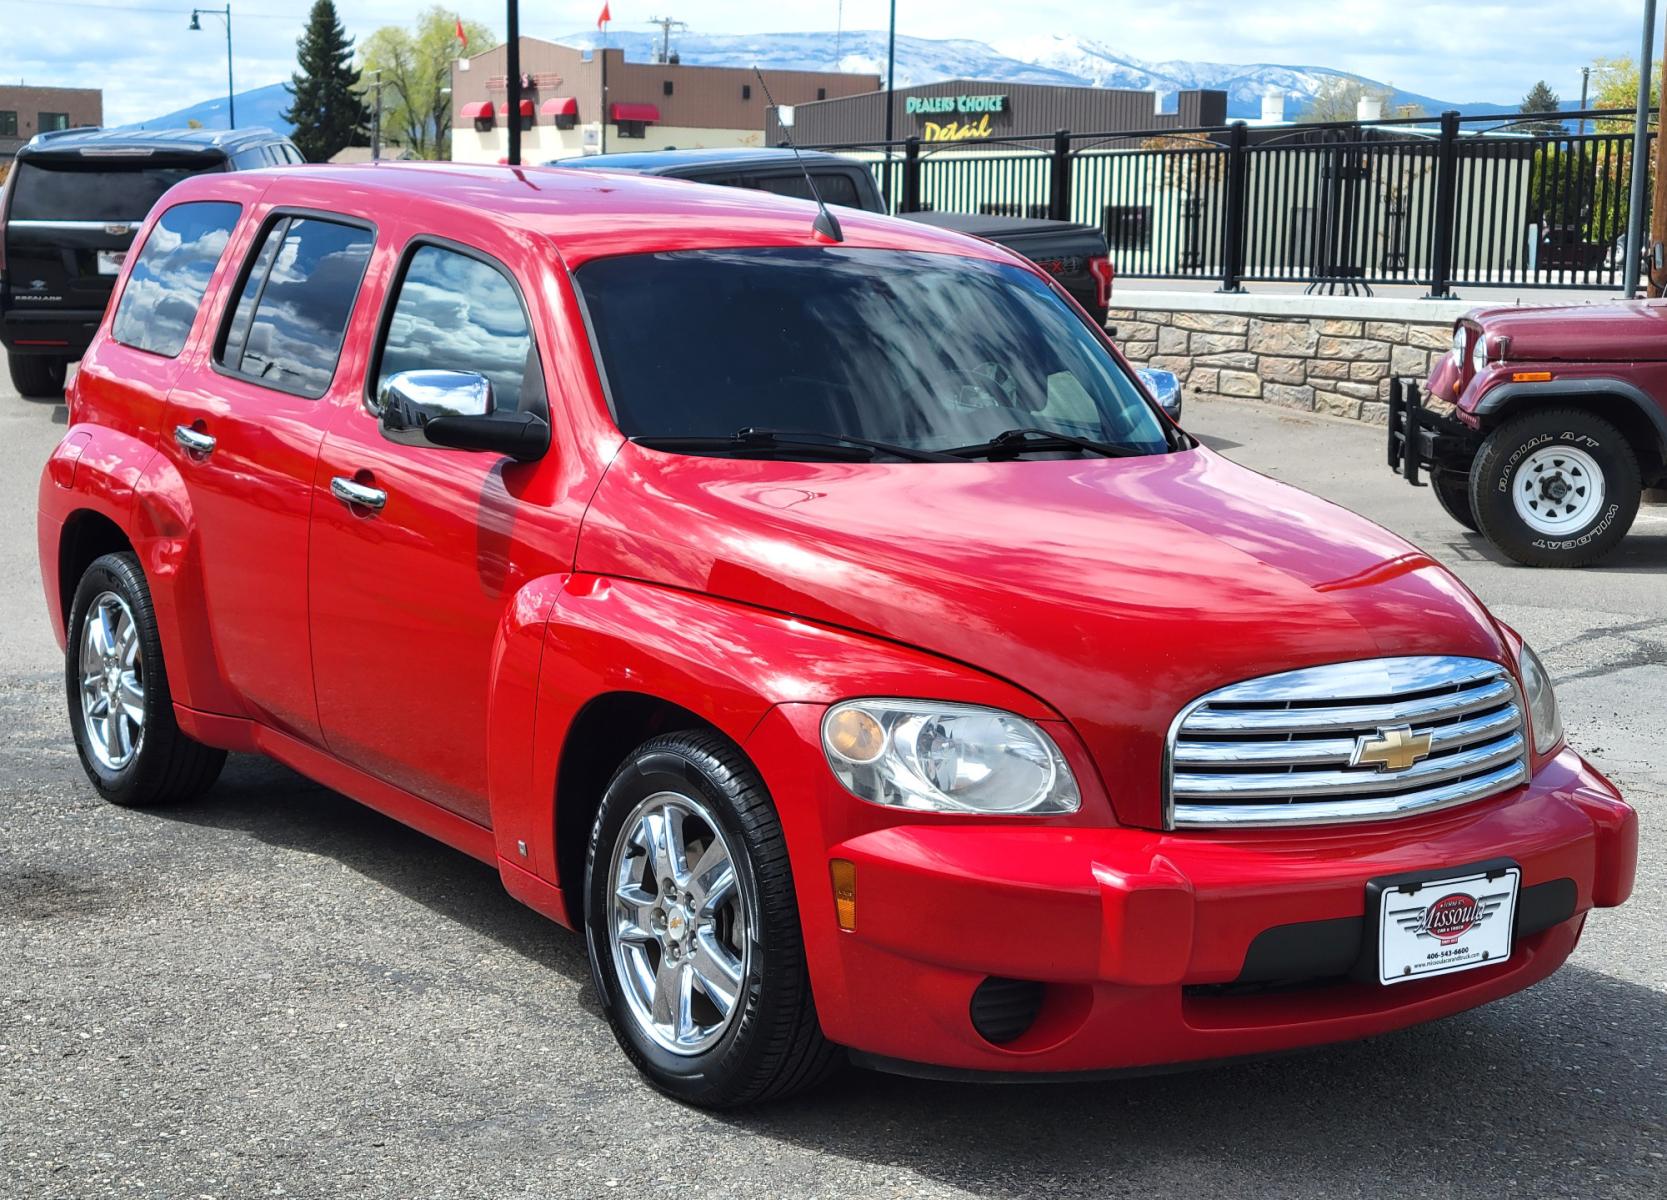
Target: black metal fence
(1445,202)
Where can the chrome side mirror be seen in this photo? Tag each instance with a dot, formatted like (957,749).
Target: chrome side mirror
(1164,387)
(454,410)
(408,400)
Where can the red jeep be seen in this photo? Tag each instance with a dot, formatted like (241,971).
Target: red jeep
(823,620)
(1556,426)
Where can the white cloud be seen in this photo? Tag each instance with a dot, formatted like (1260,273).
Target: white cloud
(148,63)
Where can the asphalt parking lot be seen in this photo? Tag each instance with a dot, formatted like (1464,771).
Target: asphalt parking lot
(277,992)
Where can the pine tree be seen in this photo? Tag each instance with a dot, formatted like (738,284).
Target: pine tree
(1541,99)
(327,110)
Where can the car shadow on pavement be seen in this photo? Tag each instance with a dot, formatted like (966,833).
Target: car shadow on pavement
(268,801)
(1555,1091)
(1643,551)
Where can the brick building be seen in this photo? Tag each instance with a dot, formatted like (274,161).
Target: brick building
(591,101)
(26,111)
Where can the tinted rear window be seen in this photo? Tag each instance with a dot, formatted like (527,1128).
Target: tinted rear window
(76,191)
(165,288)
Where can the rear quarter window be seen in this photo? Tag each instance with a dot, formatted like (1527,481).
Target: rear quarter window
(165,287)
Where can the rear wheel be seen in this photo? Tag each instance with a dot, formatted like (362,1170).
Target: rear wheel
(693,928)
(38,376)
(1555,488)
(119,704)
(1452,492)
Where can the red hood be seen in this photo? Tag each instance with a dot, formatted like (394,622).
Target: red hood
(1626,331)
(1116,590)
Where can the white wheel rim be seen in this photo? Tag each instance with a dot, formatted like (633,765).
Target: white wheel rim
(1558,490)
(678,923)
(112,675)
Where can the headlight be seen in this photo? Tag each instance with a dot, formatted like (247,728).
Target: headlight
(1543,718)
(1459,346)
(1479,355)
(946,758)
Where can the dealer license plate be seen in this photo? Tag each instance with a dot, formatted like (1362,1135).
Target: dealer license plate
(1439,926)
(110,261)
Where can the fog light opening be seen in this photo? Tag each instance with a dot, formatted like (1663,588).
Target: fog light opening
(1003,1010)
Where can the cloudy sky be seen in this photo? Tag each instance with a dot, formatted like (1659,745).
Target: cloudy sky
(141,54)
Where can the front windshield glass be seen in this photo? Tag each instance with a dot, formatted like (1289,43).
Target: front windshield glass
(925,351)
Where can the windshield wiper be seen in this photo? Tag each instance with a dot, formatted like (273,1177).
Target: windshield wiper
(1011,442)
(753,438)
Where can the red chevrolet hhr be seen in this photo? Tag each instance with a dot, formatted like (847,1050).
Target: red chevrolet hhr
(816,613)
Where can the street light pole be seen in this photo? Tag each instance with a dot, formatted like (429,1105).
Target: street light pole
(376,117)
(225,15)
(513,69)
(1640,159)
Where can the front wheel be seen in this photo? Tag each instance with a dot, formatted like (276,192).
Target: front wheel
(120,708)
(693,928)
(1452,492)
(1555,488)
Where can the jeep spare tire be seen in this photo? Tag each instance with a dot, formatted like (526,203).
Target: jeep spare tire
(1555,488)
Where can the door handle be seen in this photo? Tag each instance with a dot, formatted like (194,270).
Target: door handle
(192,441)
(350,491)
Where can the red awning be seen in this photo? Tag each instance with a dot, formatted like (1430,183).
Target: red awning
(561,106)
(633,112)
(476,110)
(526,108)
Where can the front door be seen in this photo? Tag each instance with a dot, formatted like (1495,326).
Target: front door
(408,590)
(243,431)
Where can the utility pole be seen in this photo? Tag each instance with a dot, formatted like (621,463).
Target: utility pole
(1658,203)
(891,98)
(1640,159)
(376,117)
(1585,86)
(666,24)
(512,69)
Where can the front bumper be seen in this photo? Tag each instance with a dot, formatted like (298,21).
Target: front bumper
(1155,948)
(1422,439)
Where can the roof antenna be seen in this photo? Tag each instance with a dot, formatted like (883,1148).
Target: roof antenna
(826,223)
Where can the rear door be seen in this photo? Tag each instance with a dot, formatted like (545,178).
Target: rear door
(71,219)
(243,429)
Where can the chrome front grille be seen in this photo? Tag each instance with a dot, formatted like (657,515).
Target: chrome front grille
(1287,749)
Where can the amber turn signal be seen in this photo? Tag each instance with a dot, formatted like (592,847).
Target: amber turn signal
(845,892)
(1530,376)
(855,735)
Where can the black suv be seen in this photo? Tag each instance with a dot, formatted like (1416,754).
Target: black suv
(68,213)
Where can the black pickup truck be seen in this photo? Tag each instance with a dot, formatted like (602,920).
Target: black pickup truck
(1074,254)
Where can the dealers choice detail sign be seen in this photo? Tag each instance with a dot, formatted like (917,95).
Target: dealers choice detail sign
(955,118)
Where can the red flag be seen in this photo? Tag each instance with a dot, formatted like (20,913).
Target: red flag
(605,17)
(461,36)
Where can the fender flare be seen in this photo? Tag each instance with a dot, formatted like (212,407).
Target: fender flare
(1499,398)
(728,663)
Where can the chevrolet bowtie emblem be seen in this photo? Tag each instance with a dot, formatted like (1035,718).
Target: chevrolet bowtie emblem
(1391,749)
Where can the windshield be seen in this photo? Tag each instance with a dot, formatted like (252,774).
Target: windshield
(925,351)
(74,191)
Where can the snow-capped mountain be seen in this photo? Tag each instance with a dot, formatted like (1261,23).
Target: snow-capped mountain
(1042,58)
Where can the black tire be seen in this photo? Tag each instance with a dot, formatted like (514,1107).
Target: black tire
(38,376)
(1452,492)
(1500,469)
(166,766)
(773,1045)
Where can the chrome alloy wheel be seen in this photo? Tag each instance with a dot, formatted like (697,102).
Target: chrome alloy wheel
(112,682)
(678,929)
(1558,490)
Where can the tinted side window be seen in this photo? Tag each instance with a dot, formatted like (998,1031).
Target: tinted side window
(165,288)
(292,312)
(835,187)
(455,312)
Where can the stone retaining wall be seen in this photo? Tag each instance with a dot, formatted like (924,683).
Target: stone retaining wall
(1316,354)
